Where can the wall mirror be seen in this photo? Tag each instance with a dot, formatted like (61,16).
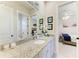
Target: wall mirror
(22,26)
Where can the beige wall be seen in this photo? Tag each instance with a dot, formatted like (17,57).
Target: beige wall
(46,10)
(50,11)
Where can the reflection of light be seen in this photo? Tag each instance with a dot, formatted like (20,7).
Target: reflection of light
(66,13)
(65,17)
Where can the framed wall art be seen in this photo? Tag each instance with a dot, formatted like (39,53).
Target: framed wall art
(40,26)
(50,19)
(50,26)
(41,21)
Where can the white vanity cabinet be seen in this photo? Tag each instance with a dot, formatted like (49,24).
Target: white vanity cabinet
(47,51)
(50,50)
(42,53)
(31,50)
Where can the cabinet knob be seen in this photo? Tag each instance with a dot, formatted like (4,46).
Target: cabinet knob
(12,35)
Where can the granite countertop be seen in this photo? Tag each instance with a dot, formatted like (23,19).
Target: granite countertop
(26,50)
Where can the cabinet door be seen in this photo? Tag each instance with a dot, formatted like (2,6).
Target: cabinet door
(6,24)
(48,50)
(51,48)
(43,53)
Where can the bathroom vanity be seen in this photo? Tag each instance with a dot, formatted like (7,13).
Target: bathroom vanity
(31,49)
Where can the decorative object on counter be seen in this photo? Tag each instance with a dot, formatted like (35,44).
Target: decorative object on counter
(50,19)
(45,32)
(50,26)
(41,21)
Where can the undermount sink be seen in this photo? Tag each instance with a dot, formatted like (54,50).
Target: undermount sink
(39,42)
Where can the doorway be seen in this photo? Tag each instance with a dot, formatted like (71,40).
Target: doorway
(67,23)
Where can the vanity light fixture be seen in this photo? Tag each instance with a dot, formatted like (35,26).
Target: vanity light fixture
(65,17)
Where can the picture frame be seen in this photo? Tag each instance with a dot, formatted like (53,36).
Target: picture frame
(50,19)
(41,21)
(40,26)
(34,24)
(50,26)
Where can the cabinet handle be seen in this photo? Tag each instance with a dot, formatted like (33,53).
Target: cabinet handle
(12,35)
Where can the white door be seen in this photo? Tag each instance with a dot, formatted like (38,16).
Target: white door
(67,24)
(6,24)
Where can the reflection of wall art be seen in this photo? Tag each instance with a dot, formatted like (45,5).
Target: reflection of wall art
(41,21)
(50,26)
(65,26)
(40,26)
(74,25)
(50,19)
